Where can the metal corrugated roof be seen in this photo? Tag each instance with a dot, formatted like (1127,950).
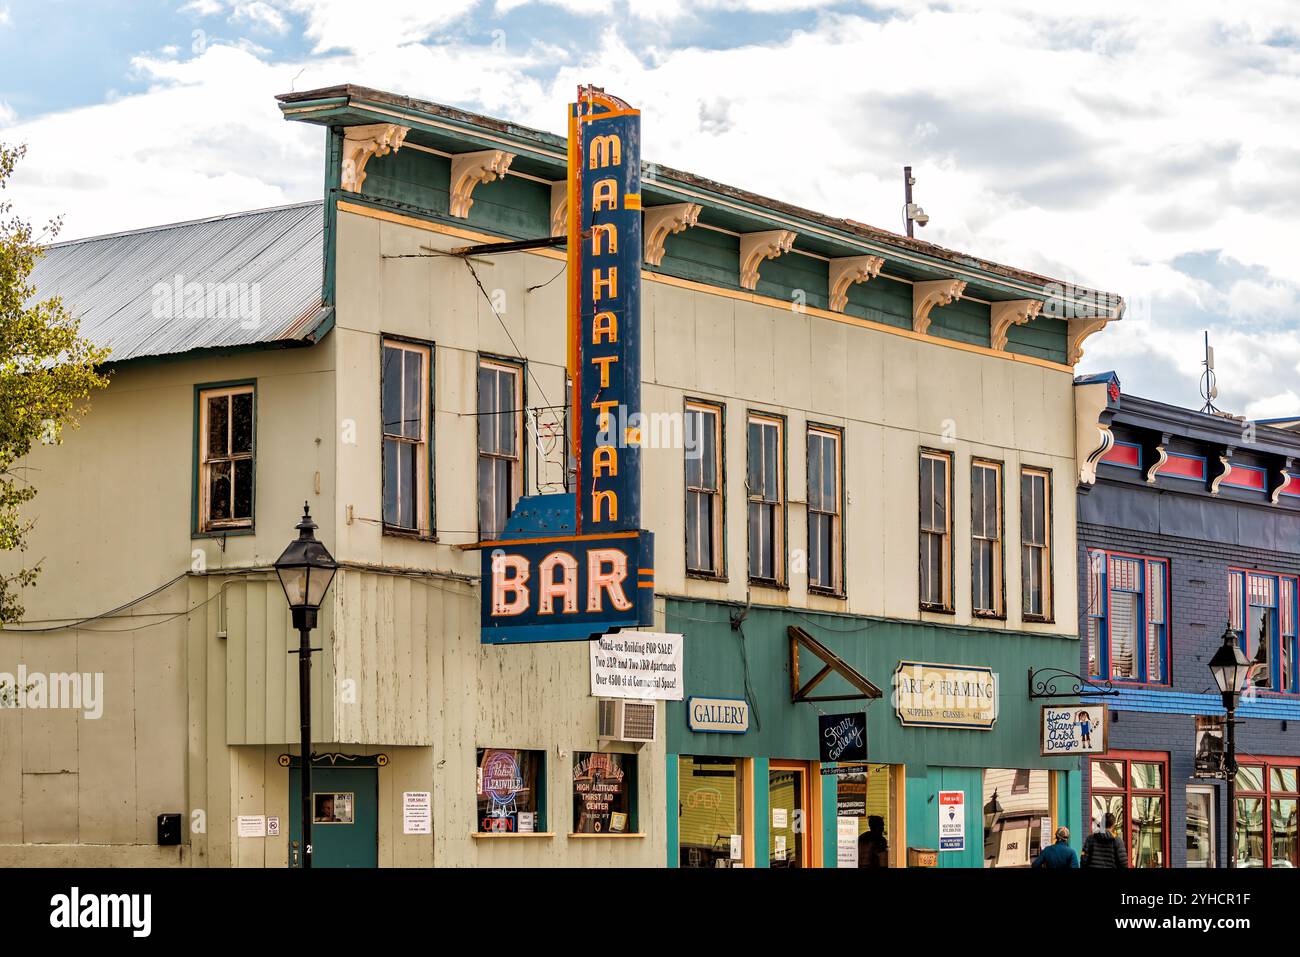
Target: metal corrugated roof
(244,278)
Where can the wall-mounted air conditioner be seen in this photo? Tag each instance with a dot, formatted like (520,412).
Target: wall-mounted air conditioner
(623,720)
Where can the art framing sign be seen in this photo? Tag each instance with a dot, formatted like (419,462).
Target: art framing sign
(646,665)
(577,565)
(1073,729)
(929,695)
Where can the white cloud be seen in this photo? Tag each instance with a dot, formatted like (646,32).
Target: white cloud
(203,8)
(1094,142)
(7,114)
(5,18)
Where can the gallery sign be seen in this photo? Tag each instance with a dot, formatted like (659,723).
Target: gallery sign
(1073,729)
(842,737)
(646,665)
(929,695)
(724,715)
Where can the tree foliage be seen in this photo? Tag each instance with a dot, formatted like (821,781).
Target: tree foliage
(47,372)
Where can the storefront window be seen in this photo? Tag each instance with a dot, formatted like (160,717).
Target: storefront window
(603,789)
(710,822)
(509,791)
(1132,790)
(868,798)
(1266,816)
(1017,816)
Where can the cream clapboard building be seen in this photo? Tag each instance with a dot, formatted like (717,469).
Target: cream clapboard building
(334,353)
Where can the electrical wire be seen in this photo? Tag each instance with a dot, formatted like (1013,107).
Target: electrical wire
(505,328)
(106,614)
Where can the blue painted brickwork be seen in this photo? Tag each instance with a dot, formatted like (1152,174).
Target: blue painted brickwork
(1162,720)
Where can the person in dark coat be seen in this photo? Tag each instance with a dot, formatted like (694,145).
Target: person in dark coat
(1104,849)
(1058,855)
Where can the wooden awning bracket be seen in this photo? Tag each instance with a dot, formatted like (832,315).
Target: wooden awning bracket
(831,664)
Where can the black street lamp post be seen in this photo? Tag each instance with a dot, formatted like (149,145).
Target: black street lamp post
(1230,668)
(306,569)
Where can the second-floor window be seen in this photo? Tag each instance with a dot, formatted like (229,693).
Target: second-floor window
(936,531)
(766,488)
(825,510)
(500,444)
(404,387)
(1262,609)
(1128,617)
(1036,543)
(226,466)
(704,489)
(986,537)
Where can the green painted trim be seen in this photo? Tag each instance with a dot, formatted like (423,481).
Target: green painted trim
(333,182)
(762,813)
(1070,806)
(672,789)
(195,530)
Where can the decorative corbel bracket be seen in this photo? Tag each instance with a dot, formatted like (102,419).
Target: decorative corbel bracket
(470,169)
(927,295)
(1096,400)
(362,142)
(559,208)
(1004,315)
(1155,453)
(756,247)
(1225,463)
(847,271)
(661,222)
(1078,331)
(1278,479)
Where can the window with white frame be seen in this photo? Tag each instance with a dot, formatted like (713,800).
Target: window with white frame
(500,444)
(703,451)
(226,458)
(825,510)
(1035,543)
(404,389)
(766,488)
(986,537)
(936,530)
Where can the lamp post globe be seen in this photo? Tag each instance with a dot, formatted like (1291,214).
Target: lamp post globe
(306,569)
(1231,669)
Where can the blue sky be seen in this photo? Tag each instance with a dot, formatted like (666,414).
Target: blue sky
(1146,149)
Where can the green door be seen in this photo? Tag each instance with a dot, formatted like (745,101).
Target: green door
(345,827)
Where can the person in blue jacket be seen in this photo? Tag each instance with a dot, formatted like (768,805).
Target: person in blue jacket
(1060,854)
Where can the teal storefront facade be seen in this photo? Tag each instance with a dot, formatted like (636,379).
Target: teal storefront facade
(751,660)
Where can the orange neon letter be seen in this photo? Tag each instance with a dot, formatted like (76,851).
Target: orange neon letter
(605,150)
(509,594)
(603,406)
(610,233)
(548,589)
(611,501)
(603,362)
(604,195)
(599,579)
(604,461)
(604,328)
(609,284)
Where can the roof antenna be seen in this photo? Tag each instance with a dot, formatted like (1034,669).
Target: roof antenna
(912,213)
(1209,383)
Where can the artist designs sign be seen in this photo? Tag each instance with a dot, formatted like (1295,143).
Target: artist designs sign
(1074,729)
(928,695)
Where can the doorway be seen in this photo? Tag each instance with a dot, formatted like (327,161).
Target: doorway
(1202,832)
(790,807)
(344,831)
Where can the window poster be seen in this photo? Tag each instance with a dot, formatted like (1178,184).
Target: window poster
(507,782)
(602,792)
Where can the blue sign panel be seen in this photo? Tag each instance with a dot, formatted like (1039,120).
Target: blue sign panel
(573,566)
(609,320)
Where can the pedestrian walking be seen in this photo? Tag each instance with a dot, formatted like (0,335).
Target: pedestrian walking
(1059,854)
(1104,849)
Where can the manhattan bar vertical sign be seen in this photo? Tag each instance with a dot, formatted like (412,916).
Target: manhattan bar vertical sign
(609,311)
